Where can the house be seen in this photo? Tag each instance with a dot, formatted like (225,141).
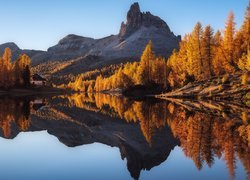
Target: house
(38,80)
(38,104)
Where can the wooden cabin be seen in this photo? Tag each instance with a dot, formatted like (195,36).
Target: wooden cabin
(38,104)
(38,80)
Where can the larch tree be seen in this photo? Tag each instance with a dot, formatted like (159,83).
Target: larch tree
(207,51)
(7,68)
(201,55)
(242,43)
(98,84)
(159,71)
(229,44)
(22,70)
(26,70)
(123,80)
(145,64)
(194,52)
(217,52)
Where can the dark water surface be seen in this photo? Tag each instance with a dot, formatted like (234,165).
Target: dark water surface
(97,136)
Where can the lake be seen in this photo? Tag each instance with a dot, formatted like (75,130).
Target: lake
(99,136)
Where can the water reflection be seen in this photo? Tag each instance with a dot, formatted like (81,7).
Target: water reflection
(14,112)
(145,131)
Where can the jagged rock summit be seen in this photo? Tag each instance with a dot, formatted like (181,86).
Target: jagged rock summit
(136,19)
(127,45)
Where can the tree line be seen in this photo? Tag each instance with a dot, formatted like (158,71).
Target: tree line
(202,54)
(14,73)
(150,70)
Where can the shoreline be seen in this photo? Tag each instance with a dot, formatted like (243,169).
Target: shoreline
(33,91)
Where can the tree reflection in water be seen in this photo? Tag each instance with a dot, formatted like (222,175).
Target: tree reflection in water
(204,134)
(14,112)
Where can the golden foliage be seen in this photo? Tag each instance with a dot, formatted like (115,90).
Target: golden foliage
(13,112)
(202,54)
(202,137)
(17,73)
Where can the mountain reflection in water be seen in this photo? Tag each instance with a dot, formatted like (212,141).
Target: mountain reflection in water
(145,131)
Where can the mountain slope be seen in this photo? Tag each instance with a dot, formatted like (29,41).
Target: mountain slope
(129,44)
(16,51)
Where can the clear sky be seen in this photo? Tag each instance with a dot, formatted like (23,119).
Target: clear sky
(40,24)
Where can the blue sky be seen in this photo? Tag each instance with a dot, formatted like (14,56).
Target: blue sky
(41,24)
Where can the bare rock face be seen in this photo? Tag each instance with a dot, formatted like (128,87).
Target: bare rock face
(72,43)
(136,19)
(129,44)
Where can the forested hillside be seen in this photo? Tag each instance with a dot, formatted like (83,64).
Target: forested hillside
(203,54)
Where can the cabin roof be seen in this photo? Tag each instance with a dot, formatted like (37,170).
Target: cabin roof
(37,77)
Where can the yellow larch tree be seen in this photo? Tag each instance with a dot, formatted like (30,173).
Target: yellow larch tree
(145,64)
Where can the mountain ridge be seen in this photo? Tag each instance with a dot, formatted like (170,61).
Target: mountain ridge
(135,33)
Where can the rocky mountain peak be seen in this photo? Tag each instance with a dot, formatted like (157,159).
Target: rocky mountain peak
(134,15)
(89,53)
(137,19)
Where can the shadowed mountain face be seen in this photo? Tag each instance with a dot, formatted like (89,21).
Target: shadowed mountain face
(144,131)
(16,51)
(129,44)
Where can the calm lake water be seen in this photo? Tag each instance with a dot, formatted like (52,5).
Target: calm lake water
(97,136)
